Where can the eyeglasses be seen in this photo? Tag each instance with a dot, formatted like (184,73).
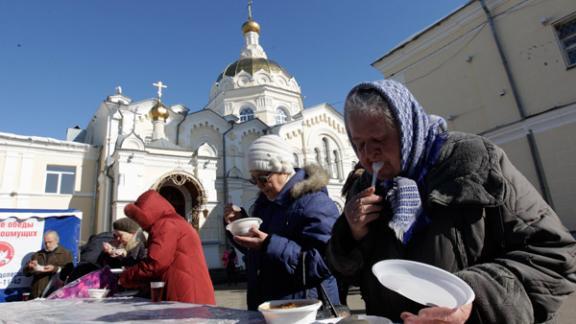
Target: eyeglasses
(262,179)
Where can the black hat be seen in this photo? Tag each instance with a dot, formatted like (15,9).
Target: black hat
(126,225)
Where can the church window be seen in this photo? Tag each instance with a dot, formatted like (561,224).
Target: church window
(318,158)
(60,179)
(566,33)
(336,166)
(327,155)
(296,160)
(281,116)
(246,114)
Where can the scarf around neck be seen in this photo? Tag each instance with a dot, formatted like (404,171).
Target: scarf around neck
(421,138)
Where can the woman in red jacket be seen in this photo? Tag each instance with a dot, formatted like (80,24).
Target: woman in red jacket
(175,253)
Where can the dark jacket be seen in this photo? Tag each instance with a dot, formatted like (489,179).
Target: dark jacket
(134,255)
(60,257)
(488,225)
(175,253)
(90,252)
(299,219)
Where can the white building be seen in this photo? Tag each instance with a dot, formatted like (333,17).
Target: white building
(196,160)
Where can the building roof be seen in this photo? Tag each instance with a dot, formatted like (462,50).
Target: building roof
(420,33)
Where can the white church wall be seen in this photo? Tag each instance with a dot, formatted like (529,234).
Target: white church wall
(99,124)
(246,137)
(172,125)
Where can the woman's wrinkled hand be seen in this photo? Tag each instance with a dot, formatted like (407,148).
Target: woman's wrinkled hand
(438,315)
(231,213)
(362,209)
(254,241)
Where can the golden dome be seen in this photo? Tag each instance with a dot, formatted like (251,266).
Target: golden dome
(159,111)
(251,66)
(251,26)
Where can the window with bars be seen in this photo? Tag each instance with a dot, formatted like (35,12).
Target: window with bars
(246,114)
(566,32)
(60,179)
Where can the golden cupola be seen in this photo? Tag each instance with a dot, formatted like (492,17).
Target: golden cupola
(251,26)
(159,111)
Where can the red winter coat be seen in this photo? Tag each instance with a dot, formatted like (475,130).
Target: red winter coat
(175,253)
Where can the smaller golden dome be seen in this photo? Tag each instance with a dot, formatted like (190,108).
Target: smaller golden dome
(159,111)
(251,26)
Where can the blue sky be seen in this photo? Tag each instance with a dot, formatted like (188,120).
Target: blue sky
(59,59)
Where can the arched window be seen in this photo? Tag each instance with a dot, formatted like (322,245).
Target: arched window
(327,156)
(336,171)
(281,116)
(318,158)
(296,160)
(246,114)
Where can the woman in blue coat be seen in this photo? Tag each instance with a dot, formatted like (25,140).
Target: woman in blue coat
(297,216)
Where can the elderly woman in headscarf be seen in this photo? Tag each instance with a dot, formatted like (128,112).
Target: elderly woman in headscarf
(297,216)
(451,200)
(128,246)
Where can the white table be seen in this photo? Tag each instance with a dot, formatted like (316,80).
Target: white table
(121,310)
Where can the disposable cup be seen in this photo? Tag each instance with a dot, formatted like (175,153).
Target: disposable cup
(156,291)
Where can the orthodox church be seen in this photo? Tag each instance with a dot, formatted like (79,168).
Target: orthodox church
(194,159)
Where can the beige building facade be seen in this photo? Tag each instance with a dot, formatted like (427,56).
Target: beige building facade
(505,69)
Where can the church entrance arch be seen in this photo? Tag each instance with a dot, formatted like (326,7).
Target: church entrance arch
(185,194)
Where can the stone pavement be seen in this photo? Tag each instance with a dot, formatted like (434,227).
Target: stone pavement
(234,296)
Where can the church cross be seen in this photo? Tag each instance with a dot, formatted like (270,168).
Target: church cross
(159,85)
(249,9)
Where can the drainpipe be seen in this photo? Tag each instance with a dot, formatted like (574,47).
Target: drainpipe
(178,129)
(519,105)
(95,207)
(107,224)
(231,121)
(108,220)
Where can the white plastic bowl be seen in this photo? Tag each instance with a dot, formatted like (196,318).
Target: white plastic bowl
(304,313)
(241,227)
(97,293)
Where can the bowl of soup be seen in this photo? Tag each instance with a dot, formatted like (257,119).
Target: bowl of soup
(97,293)
(242,226)
(293,311)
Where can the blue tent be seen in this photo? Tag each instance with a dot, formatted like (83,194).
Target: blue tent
(21,234)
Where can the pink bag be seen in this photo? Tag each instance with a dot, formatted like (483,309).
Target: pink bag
(101,278)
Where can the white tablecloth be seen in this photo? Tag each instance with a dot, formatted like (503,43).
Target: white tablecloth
(120,309)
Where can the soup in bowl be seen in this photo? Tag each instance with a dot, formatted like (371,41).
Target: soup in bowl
(294,311)
(241,227)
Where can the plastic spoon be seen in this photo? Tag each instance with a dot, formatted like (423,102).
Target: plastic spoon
(376,166)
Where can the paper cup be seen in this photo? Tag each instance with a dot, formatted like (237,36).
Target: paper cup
(156,291)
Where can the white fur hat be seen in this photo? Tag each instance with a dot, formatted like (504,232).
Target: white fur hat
(271,153)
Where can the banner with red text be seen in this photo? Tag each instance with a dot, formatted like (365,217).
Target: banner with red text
(21,235)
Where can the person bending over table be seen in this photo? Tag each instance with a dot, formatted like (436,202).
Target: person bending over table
(175,254)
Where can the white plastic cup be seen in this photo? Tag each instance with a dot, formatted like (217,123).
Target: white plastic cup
(156,291)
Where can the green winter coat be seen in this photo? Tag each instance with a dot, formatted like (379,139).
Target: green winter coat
(59,258)
(489,226)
